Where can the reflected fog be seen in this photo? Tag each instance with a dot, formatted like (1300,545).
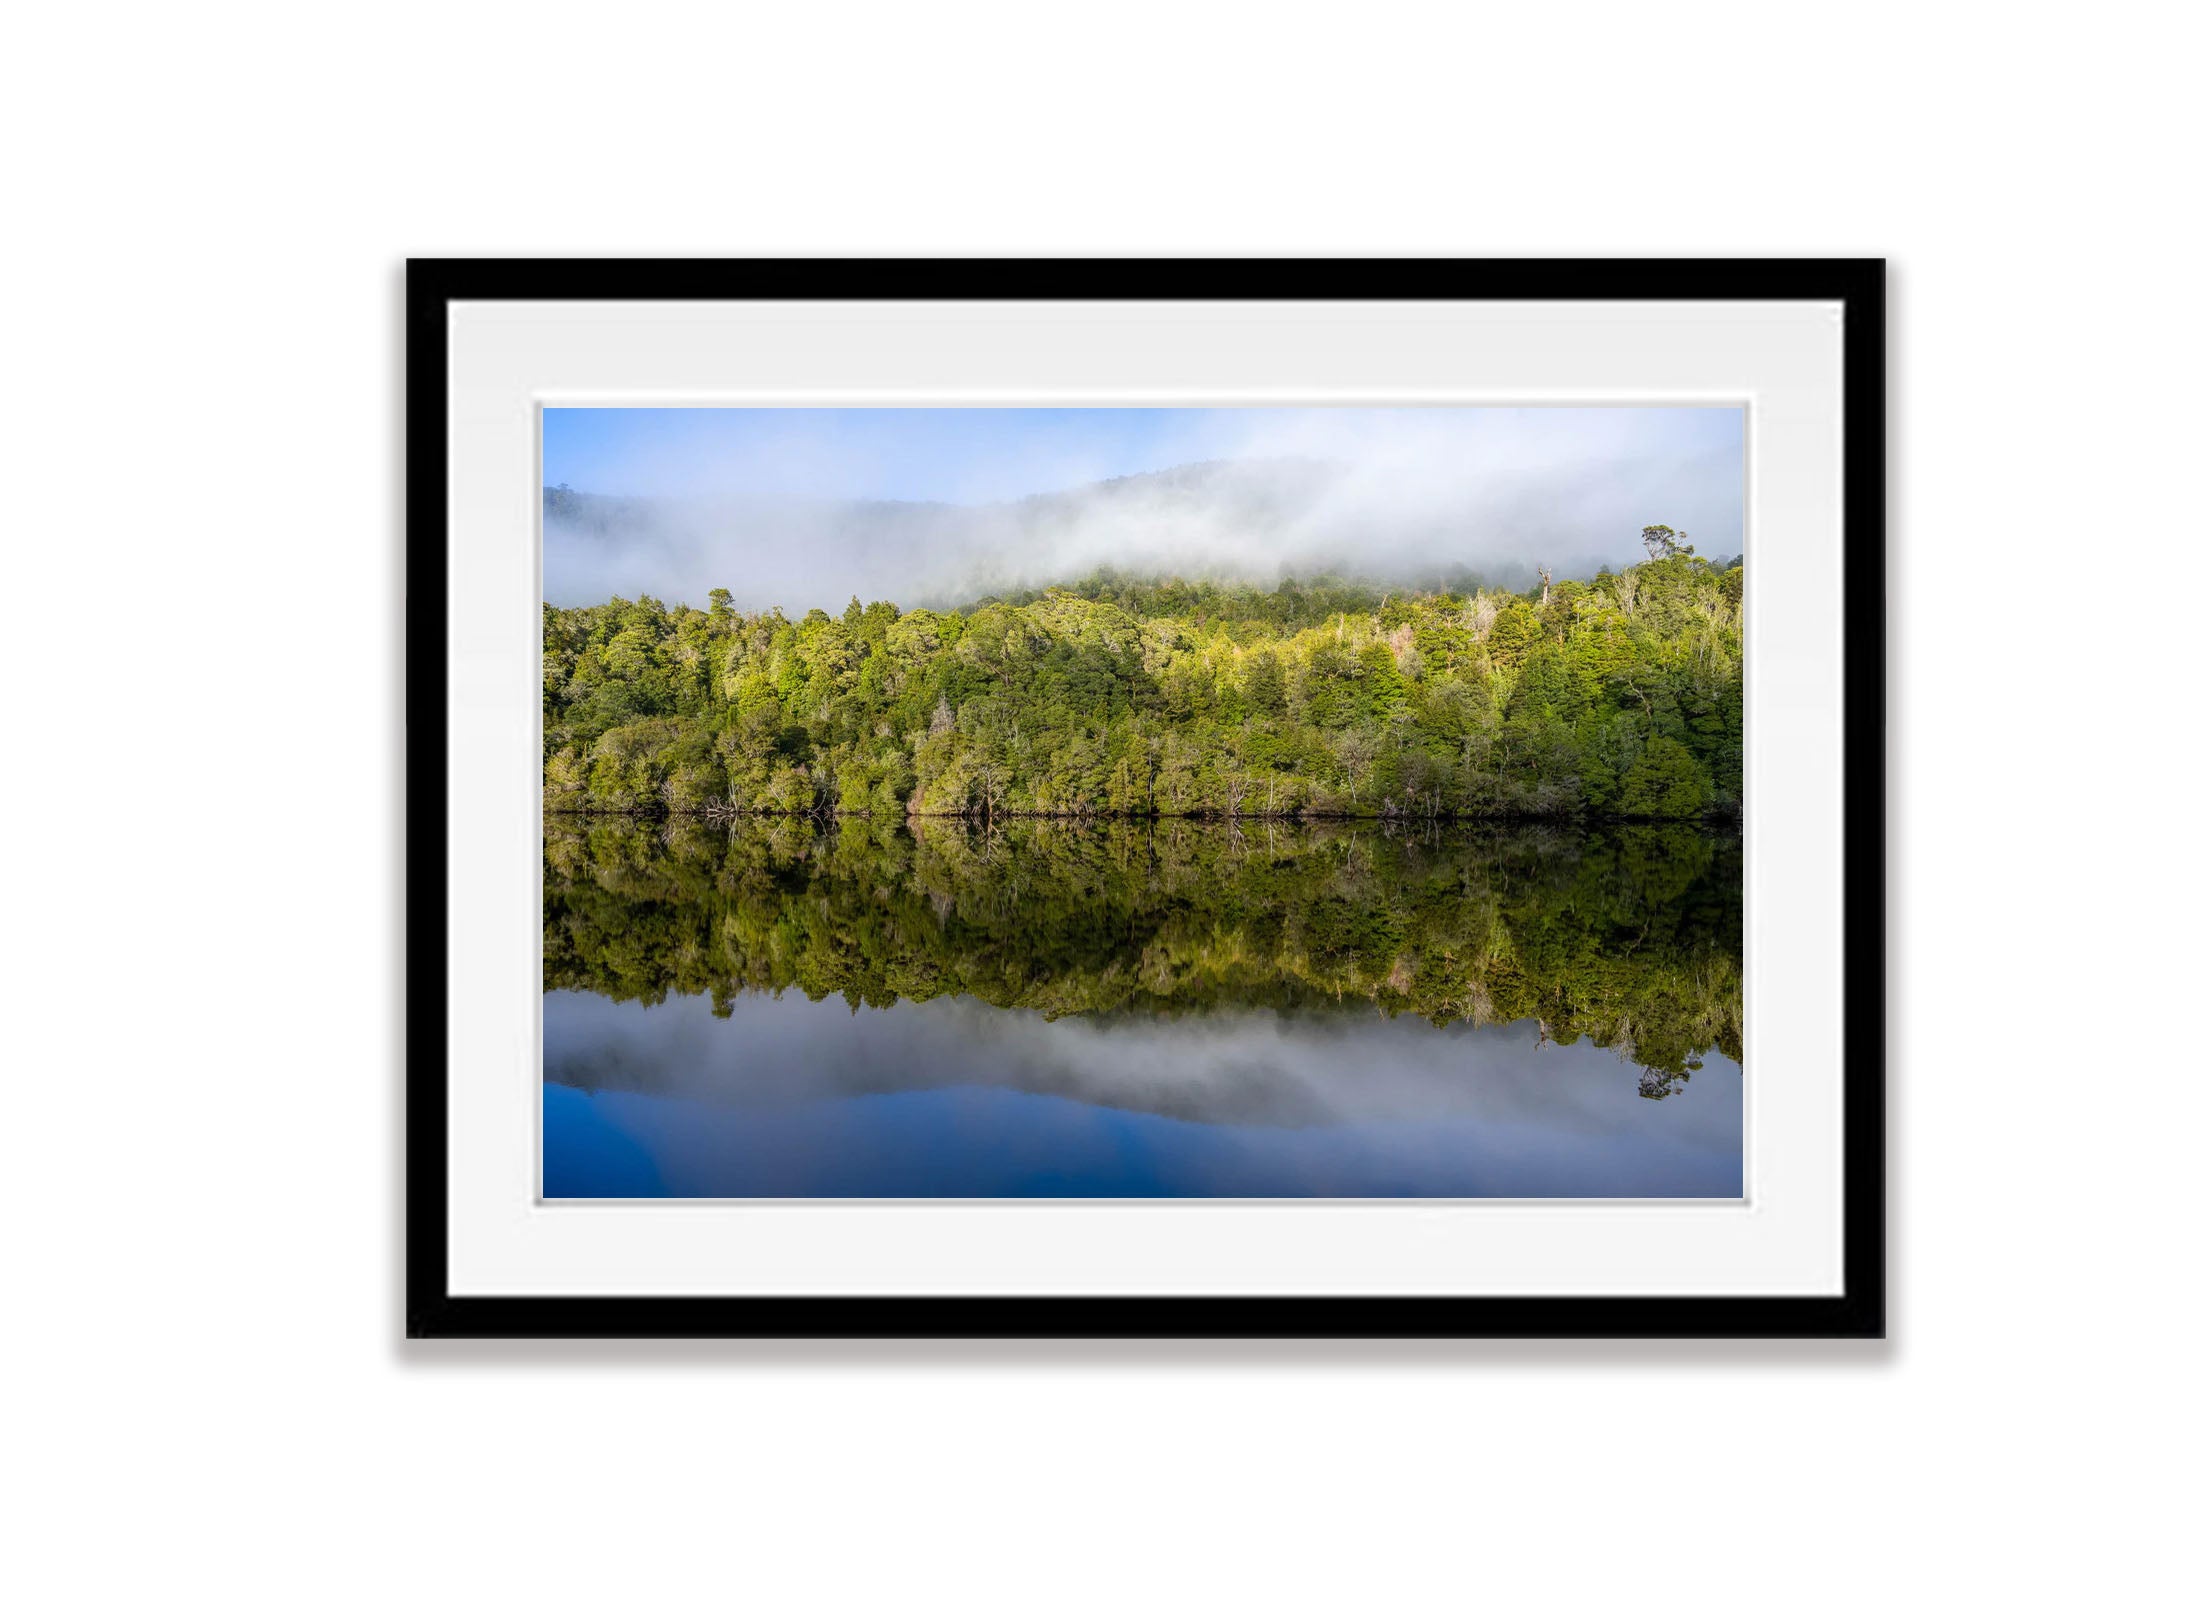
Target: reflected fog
(1163,1010)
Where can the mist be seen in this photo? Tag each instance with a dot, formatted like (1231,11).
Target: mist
(1256,1068)
(805,508)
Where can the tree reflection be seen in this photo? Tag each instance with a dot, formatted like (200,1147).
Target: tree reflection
(1629,937)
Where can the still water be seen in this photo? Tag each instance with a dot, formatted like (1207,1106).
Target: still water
(1140,1010)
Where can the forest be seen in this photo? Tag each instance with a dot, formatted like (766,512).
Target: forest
(1629,936)
(1617,696)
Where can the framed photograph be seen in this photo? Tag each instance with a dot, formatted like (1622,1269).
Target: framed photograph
(1145,798)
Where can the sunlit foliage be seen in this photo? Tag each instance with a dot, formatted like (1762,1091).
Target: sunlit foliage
(1619,696)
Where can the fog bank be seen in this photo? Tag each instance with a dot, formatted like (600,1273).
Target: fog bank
(785,509)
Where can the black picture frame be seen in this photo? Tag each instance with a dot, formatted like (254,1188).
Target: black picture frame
(432,1311)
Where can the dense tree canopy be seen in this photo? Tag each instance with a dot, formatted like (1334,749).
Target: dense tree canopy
(1618,696)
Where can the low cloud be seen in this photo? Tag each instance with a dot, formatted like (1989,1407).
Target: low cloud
(1405,496)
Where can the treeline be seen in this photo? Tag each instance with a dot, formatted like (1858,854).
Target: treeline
(1294,603)
(1619,696)
(1629,937)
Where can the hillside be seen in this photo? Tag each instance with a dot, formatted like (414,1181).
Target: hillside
(1618,696)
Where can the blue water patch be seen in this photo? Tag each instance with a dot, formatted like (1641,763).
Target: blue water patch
(587,1155)
(797,1099)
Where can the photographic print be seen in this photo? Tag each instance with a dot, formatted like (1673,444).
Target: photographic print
(1231,803)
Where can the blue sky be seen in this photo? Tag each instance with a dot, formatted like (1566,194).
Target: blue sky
(974,455)
(935,453)
(781,505)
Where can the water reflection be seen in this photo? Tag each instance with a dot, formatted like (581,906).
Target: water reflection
(1168,1009)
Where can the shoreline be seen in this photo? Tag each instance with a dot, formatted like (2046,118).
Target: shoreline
(1721,819)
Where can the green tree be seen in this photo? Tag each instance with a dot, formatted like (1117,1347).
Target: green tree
(1664,782)
(1516,629)
(1264,686)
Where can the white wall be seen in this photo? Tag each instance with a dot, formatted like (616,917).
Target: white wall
(207,210)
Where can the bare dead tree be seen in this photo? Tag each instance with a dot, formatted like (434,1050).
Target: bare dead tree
(1624,587)
(1482,615)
